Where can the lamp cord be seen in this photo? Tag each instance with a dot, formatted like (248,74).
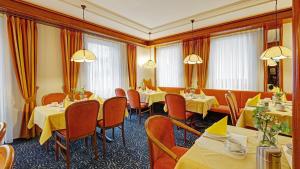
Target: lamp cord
(276,22)
(83,42)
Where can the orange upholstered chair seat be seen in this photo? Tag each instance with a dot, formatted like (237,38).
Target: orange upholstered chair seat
(166,162)
(221,109)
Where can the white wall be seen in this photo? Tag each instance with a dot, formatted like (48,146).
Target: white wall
(287,63)
(49,64)
(142,57)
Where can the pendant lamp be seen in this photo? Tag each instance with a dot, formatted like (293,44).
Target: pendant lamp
(278,52)
(83,55)
(150,64)
(192,58)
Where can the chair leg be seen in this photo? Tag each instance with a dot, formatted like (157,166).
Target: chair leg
(113,133)
(130,112)
(86,141)
(47,145)
(184,136)
(104,143)
(94,142)
(68,154)
(140,114)
(123,135)
(56,147)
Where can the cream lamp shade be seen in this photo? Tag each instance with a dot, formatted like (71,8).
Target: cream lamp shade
(193,59)
(150,64)
(276,53)
(271,62)
(83,55)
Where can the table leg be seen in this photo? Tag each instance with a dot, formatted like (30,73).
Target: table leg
(99,134)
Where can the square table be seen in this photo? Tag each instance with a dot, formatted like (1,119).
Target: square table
(208,153)
(151,96)
(51,118)
(246,116)
(199,104)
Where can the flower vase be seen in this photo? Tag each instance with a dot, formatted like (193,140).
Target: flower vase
(267,139)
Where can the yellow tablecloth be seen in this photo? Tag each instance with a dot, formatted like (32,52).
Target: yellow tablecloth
(208,154)
(246,119)
(199,105)
(52,118)
(151,97)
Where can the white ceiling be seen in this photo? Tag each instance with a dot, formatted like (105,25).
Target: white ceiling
(161,17)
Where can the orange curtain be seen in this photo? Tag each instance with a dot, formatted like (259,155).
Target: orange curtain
(187,48)
(131,57)
(22,35)
(202,48)
(71,41)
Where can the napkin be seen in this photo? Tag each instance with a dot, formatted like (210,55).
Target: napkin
(283,98)
(202,93)
(219,128)
(158,89)
(147,89)
(253,101)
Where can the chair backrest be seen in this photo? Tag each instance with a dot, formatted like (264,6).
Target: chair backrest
(53,97)
(81,118)
(164,135)
(134,99)
(120,92)
(7,154)
(2,130)
(114,111)
(176,106)
(233,112)
(234,100)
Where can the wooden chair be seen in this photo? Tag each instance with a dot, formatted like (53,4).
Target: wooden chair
(136,104)
(161,140)
(2,131)
(232,108)
(177,110)
(81,122)
(7,156)
(53,97)
(113,116)
(120,92)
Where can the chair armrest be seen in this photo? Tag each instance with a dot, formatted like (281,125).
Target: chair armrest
(186,127)
(169,152)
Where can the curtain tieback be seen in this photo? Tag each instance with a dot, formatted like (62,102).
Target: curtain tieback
(30,99)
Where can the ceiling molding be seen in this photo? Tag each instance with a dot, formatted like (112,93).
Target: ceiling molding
(44,15)
(108,14)
(245,23)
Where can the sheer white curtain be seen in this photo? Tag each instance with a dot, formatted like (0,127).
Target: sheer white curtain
(109,71)
(170,70)
(234,61)
(7,110)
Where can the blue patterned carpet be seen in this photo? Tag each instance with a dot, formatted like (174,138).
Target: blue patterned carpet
(31,155)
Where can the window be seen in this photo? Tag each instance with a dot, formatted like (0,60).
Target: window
(7,110)
(170,68)
(109,71)
(234,61)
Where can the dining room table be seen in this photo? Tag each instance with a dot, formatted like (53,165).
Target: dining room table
(283,113)
(210,153)
(151,96)
(199,104)
(51,117)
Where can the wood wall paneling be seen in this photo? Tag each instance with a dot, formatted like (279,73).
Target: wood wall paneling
(44,15)
(296,87)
